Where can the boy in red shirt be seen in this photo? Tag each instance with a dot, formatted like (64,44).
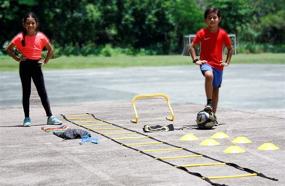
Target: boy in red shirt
(212,40)
(30,44)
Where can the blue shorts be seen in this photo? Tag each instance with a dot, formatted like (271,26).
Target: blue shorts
(218,74)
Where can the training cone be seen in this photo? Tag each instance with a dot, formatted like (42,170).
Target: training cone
(209,142)
(189,137)
(219,135)
(268,146)
(241,140)
(234,150)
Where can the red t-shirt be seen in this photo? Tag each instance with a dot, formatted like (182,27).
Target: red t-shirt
(34,45)
(212,44)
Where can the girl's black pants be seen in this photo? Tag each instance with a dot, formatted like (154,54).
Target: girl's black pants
(31,69)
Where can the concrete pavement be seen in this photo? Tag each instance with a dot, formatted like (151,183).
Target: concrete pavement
(252,105)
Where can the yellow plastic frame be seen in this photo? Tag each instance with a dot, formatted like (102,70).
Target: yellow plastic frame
(152,96)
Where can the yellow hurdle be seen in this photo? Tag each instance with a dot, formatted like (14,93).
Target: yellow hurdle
(151,96)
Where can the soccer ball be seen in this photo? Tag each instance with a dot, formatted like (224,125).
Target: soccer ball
(205,120)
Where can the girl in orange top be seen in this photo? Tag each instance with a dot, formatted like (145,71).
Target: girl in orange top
(30,43)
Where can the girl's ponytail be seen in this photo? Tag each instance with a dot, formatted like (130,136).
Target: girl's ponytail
(30,14)
(23,42)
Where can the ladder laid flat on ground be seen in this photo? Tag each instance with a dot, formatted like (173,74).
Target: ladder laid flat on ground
(159,150)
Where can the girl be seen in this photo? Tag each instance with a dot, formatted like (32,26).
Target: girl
(30,43)
(212,40)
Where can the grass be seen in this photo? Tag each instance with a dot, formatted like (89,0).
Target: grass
(81,62)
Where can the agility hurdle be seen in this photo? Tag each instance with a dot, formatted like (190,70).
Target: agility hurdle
(151,96)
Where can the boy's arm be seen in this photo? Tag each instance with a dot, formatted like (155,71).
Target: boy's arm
(11,52)
(49,53)
(193,54)
(229,56)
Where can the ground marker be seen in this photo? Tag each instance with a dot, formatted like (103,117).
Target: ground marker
(209,142)
(189,137)
(268,146)
(234,150)
(241,140)
(219,135)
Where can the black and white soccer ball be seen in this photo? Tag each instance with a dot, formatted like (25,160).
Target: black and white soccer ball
(205,120)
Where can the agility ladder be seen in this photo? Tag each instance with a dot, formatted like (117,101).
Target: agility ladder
(111,130)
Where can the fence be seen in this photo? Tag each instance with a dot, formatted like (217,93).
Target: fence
(187,40)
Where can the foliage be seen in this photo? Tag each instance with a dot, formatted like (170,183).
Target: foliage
(249,47)
(273,27)
(259,23)
(140,27)
(268,21)
(188,17)
(147,24)
(236,15)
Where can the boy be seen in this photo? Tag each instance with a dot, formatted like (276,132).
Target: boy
(212,39)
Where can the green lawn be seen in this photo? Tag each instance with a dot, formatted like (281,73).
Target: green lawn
(80,62)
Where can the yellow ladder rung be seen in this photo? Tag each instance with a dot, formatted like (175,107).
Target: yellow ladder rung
(88,121)
(165,149)
(94,124)
(74,115)
(202,164)
(232,176)
(105,128)
(131,137)
(115,133)
(143,144)
(179,157)
(76,119)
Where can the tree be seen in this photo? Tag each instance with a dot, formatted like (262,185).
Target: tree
(236,15)
(269,20)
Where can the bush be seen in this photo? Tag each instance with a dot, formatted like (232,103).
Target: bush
(246,47)
(107,50)
(89,49)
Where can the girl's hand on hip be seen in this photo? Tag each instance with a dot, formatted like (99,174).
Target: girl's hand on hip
(21,58)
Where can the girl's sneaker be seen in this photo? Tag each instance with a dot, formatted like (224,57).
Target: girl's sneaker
(27,122)
(52,120)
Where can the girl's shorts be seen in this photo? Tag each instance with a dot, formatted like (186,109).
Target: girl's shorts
(218,74)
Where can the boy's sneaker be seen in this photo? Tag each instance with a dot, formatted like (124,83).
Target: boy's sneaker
(208,108)
(52,120)
(27,122)
(216,121)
